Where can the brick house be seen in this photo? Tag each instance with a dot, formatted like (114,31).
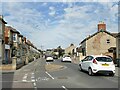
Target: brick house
(101,42)
(2,41)
(8,43)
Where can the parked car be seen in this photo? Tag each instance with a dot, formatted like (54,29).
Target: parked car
(55,57)
(66,58)
(97,64)
(117,62)
(49,58)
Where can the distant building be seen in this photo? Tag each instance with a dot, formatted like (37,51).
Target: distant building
(101,42)
(70,49)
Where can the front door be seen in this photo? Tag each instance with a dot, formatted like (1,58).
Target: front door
(6,56)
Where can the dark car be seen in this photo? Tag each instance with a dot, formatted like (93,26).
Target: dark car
(118,62)
(55,57)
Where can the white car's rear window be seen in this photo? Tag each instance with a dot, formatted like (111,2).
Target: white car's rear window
(103,59)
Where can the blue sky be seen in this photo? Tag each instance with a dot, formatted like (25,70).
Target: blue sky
(51,24)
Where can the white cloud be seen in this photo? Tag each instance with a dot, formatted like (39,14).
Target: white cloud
(51,8)
(44,4)
(52,11)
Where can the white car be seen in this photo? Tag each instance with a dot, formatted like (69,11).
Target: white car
(97,64)
(49,58)
(66,58)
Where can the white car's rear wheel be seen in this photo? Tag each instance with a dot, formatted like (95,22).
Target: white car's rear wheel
(111,74)
(90,72)
(80,67)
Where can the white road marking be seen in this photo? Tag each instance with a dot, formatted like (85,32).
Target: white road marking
(32,73)
(33,80)
(49,75)
(24,80)
(34,84)
(42,78)
(25,77)
(64,87)
(32,77)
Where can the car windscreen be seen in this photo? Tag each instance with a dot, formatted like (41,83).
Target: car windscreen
(66,56)
(103,59)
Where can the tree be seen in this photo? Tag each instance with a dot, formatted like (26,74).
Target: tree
(60,51)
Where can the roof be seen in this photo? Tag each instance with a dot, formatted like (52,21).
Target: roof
(118,35)
(15,31)
(115,34)
(20,35)
(97,33)
(12,29)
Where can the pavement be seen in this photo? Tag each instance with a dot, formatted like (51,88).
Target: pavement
(117,71)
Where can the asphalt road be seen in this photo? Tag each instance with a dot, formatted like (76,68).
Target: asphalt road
(34,76)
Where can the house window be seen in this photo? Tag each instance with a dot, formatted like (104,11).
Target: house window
(83,52)
(14,37)
(108,40)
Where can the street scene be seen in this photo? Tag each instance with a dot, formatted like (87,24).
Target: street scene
(62,45)
(56,74)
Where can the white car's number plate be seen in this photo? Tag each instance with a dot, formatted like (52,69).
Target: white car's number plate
(105,64)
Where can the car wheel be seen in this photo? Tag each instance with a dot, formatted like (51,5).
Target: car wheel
(90,72)
(80,68)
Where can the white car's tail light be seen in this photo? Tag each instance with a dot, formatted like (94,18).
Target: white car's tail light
(94,61)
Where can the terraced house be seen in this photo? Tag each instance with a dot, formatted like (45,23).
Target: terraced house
(2,41)
(101,42)
(15,49)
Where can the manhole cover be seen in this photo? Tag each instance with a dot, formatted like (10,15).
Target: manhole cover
(62,77)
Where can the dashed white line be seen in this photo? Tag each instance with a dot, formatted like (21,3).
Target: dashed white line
(49,75)
(64,87)
(32,73)
(25,77)
(34,84)
(33,80)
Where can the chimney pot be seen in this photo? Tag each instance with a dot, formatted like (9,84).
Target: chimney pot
(101,26)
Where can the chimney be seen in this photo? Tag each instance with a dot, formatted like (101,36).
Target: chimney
(25,39)
(101,26)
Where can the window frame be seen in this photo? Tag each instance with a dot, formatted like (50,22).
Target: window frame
(108,41)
